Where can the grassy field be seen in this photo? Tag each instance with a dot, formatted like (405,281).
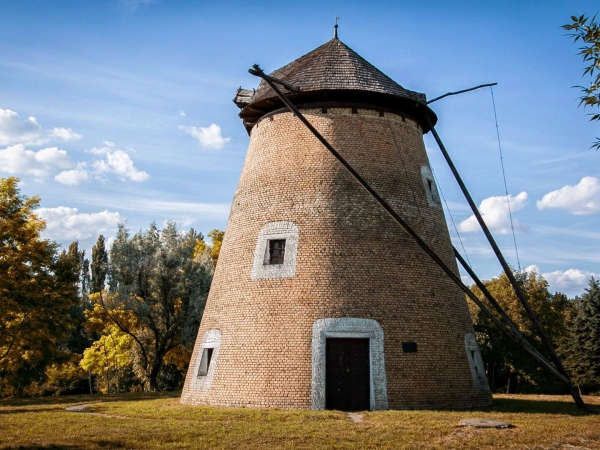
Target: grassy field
(147,421)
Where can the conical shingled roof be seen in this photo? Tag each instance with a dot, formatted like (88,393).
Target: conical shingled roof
(335,66)
(334,74)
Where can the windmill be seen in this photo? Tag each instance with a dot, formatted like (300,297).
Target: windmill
(317,300)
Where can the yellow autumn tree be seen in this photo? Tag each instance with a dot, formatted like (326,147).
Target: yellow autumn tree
(108,357)
(37,289)
(204,250)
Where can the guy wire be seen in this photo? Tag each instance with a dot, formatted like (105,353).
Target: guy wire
(451,218)
(504,178)
(412,193)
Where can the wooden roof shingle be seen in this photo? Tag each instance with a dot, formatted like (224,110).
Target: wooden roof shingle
(334,73)
(335,66)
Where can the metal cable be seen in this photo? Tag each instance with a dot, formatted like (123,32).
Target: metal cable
(504,178)
(451,218)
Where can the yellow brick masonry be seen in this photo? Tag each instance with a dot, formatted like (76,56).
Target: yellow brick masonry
(352,261)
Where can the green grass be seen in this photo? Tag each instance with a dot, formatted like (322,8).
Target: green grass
(158,420)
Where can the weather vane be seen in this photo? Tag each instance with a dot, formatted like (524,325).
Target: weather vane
(336,27)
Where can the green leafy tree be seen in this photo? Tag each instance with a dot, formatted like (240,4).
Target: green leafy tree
(65,376)
(508,366)
(155,278)
(78,339)
(37,290)
(587,31)
(583,357)
(99,265)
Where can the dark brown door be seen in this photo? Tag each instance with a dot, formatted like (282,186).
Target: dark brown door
(347,374)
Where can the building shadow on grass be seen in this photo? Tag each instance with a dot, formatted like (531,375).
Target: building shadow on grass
(537,405)
(29,404)
(44,447)
(100,444)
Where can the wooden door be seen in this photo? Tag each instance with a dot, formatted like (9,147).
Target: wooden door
(347,374)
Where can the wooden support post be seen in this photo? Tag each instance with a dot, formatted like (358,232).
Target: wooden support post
(507,270)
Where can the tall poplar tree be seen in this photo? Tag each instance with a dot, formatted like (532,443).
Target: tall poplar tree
(99,265)
(583,358)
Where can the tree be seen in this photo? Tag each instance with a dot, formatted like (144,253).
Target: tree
(99,265)
(78,338)
(583,358)
(156,280)
(108,357)
(587,31)
(506,362)
(37,290)
(203,250)
(216,237)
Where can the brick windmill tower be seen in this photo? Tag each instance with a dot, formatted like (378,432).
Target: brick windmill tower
(318,300)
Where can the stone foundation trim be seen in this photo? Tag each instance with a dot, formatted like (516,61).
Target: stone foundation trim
(261,269)
(431,190)
(210,340)
(349,327)
(476,363)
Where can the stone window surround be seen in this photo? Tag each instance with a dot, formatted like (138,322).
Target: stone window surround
(211,339)
(349,327)
(476,363)
(261,269)
(433,195)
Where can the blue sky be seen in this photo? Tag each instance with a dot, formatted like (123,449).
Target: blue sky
(120,111)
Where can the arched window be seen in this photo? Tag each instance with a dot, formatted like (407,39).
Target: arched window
(476,363)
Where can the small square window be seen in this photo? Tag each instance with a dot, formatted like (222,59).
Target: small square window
(205,362)
(276,251)
(409,347)
(431,191)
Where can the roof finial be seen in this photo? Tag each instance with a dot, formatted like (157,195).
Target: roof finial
(335,27)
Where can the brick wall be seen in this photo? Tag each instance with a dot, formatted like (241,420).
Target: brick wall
(352,261)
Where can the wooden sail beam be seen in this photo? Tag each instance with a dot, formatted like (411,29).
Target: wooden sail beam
(507,270)
(257,71)
(461,92)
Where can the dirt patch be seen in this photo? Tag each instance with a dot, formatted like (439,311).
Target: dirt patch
(355,417)
(83,408)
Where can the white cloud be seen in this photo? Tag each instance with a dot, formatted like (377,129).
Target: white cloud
(532,269)
(66,134)
(17,160)
(167,207)
(495,214)
(13,130)
(118,162)
(108,243)
(467,280)
(183,223)
(570,281)
(581,199)
(209,137)
(133,5)
(181,113)
(73,176)
(67,223)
